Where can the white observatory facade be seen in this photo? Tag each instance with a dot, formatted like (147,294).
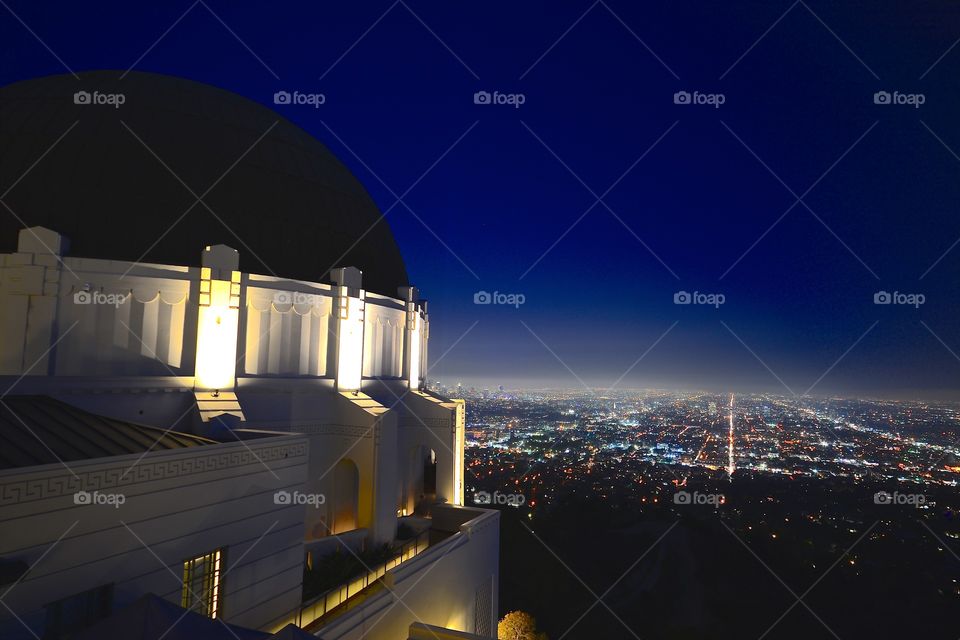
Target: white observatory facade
(178,426)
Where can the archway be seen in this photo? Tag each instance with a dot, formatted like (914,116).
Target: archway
(422,479)
(344,502)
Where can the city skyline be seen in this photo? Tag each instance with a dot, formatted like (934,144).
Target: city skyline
(514,386)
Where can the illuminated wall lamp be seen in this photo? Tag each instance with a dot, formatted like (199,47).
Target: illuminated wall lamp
(217,326)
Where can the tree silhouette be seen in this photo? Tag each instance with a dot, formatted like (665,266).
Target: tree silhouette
(519,625)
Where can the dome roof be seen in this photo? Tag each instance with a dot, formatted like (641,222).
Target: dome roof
(285,202)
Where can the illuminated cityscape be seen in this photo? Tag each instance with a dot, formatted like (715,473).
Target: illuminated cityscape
(801,479)
(697,433)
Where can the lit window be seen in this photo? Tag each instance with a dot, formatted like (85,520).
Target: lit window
(202,584)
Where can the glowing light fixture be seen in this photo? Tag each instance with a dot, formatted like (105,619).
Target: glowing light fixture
(217,325)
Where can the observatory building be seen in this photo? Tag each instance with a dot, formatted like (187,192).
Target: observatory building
(213,408)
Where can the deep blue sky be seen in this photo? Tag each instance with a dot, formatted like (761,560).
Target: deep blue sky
(599,98)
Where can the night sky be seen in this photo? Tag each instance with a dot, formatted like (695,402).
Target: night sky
(498,197)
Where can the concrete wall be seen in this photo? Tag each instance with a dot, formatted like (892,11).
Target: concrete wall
(287,332)
(383,339)
(112,318)
(104,320)
(180,503)
(339,425)
(427,422)
(442,586)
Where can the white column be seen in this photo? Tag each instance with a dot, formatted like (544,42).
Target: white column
(29,299)
(349,311)
(413,339)
(424,342)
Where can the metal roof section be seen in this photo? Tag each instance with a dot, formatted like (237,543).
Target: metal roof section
(40,430)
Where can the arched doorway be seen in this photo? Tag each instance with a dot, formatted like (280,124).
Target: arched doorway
(346,495)
(422,483)
(430,473)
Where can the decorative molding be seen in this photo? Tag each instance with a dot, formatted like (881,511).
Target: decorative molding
(431,423)
(64,484)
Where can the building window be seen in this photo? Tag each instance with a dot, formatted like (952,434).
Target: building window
(69,615)
(202,588)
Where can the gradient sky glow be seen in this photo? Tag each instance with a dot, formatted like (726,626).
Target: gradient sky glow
(494,190)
